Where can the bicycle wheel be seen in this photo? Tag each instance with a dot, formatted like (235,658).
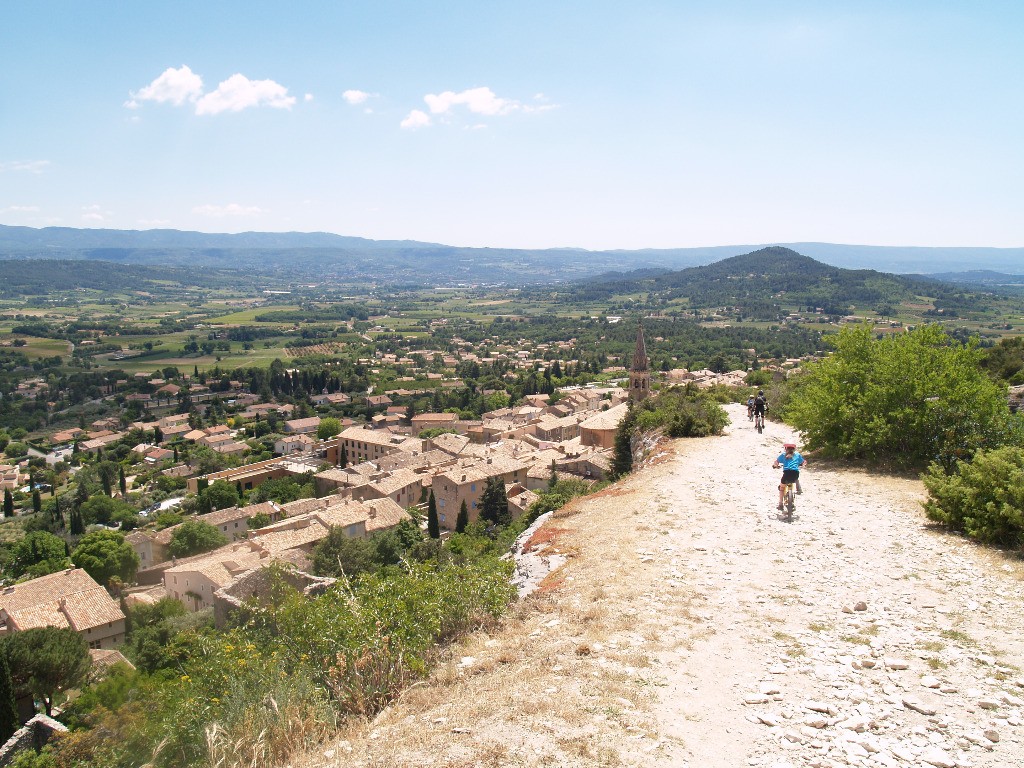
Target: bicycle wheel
(790,500)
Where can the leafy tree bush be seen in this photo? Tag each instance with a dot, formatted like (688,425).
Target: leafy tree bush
(284,489)
(105,555)
(907,399)
(193,537)
(103,509)
(38,554)
(46,661)
(983,498)
(328,428)
(220,494)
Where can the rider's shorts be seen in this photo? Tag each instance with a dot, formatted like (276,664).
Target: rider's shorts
(790,476)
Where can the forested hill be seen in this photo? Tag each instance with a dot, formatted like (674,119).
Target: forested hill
(765,278)
(21,277)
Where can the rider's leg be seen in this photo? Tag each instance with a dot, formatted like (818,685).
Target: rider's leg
(798,488)
(782,493)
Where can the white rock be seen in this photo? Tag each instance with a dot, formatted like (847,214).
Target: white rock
(755,699)
(992,735)
(904,753)
(818,706)
(769,689)
(911,702)
(856,750)
(768,719)
(896,663)
(777,669)
(928,681)
(1011,700)
(988,703)
(937,757)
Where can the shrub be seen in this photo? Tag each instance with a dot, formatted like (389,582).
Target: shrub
(908,399)
(983,498)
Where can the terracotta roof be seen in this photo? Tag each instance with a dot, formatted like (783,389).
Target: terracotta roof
(67,598)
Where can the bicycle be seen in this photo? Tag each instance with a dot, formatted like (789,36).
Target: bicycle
(759,422)
(789,499)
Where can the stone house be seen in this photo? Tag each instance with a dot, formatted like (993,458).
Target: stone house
(69,599)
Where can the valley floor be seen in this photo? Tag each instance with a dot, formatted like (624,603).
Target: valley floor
(692,626)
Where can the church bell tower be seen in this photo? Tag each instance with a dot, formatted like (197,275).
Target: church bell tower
(640,369)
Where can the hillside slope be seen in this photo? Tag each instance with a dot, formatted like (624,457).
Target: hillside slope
(692,627)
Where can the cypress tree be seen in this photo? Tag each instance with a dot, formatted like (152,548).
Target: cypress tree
(462,520)
(433,527)
(122,482)
(37,502)
(9,721)
(8,506)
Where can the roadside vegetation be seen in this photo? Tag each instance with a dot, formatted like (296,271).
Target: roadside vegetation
(922,401)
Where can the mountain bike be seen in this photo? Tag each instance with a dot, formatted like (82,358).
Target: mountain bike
(789,499)
(759,422)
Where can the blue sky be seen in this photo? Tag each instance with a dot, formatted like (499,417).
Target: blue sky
(520,124)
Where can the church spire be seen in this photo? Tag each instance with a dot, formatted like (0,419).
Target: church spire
(640,362)
(640,373)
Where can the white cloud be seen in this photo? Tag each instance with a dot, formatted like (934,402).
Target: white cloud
(174,85)
(308,97)
(94,213)
(354,97)
(481,101)
(232,209)
(153,223)
(25,166)
(416,119)
(238,92)
(20,209)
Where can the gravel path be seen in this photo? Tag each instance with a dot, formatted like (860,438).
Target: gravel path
(853,635)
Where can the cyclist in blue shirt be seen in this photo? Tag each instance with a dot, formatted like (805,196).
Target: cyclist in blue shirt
(790,462)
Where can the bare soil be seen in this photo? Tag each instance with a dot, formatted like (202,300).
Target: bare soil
(693,626)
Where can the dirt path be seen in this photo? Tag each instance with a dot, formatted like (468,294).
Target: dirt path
(693,627)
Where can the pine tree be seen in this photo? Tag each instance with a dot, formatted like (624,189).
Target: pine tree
(433,527)
(462,521)
(77,524)
(37,502)
(122,482)
(8,509)
(9,721)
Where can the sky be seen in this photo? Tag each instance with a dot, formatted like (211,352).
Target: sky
(521,124)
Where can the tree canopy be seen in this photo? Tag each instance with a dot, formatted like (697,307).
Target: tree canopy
(45,661)
(193,537)
(105,555)
(907,399)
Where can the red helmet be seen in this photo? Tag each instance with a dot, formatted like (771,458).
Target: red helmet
(787,446)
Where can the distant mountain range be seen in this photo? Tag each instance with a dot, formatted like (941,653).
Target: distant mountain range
(326,256)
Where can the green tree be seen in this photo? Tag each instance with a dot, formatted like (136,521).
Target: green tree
(462,521)
(8,503)
(328,428)
(494,502)
(9,721)
(339,554)
(906,399)
(46,661)
(122,482)
(102,509)
(433,527)
(38,554)
(194,537)
(105,555)
(220,494)
(37,502)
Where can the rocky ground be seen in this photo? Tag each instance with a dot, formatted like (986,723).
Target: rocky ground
(692,626)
